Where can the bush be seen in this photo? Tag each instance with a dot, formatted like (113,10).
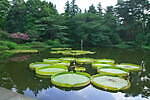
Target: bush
(55,43)
(8,44)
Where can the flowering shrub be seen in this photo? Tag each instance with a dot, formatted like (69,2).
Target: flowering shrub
(21,36)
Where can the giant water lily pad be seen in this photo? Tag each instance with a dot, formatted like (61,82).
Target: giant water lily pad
(51,70)
(51,60)
(110,82)
(61,48)
(129,67)
(112,71)
(35,65)
(70,79)
(85,60)
(72,52)
(67,59)
(111,61)
(102,65)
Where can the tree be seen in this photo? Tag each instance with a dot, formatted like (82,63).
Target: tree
(16,17)
(4,8)
(99,7)
(92,9)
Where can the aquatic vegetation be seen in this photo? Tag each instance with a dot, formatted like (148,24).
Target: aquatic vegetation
(72,52)
(67,59)
(51,70)
(61,48)
(35,65)
(112,71)
(80,69)
(22,51)
(85,60)
(102,65)
(107,61)
(129,67)
(110,82)
(71,79)
(52,60)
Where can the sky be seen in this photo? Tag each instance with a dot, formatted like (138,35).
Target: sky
(60,4)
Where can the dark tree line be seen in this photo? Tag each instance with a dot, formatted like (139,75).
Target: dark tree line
(126,24)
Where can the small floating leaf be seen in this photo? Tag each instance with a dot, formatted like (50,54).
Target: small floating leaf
(105,61)
(22,51)
(112,71)
(35,65)
(51,60)
(70,79)
(110,82)
(80,69)
(129,67)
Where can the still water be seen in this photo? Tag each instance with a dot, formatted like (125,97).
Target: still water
(16,76)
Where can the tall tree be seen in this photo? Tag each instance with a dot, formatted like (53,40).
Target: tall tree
(16,17)
(4,8)
(92,9)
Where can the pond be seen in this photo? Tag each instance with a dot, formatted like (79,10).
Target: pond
(16,76)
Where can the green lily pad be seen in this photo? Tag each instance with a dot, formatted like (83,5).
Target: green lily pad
(102,65)
(61,48)
(112,71)
(129,67)
(35,65)
(110,82)
(22,51)
(70,79)
(85,60)
(107,61)
(51,60)
(51,70)
(80,69)
(67,59)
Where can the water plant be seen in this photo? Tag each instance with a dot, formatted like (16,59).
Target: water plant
(112,71)
(84,60)
(71,79)
(22,51)
(129,67)
(101,65)
(51,70)
(107,61)
(112,83)
(35,65)
(52,60)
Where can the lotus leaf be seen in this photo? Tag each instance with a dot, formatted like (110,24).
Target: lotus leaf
(110,82)
(61,48)
(70,79)
(129,67)
(22,51)
(67,59)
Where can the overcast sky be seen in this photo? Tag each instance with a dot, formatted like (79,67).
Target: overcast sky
(60,4)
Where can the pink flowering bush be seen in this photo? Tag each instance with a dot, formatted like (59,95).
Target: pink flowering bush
(22,36)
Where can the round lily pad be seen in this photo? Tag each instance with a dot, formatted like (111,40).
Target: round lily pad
(70,79)
(35,65)
(85,60)
(51,60)
(107,61)
(80,69)
(51,70)
(110,82)
(61,48)
(112,71)
(101,65)
(67,59)
(129,67)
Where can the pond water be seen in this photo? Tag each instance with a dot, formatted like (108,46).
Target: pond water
(16,76)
